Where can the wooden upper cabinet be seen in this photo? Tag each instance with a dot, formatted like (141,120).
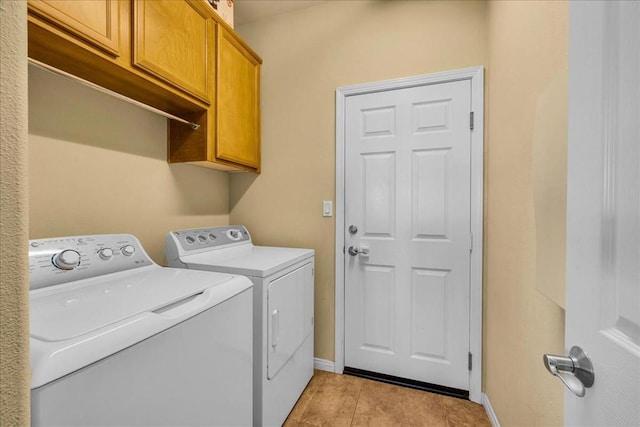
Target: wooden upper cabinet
(172,40)
(238,100)
(175,55)
(94,21)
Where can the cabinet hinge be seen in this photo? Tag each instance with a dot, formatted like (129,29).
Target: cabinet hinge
(470,360)
(471,120)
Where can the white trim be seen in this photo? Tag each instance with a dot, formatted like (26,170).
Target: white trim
(489,410)
(476,76)
(323,364)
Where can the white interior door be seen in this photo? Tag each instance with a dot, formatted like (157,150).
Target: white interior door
(407,191)
(603,208)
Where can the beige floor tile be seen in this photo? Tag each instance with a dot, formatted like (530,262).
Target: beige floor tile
(379,404)
(301,405)
(386,405)
(343,400)
(333,403)
(464,413)
(423,409)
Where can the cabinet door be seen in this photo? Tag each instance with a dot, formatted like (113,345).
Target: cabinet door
(94,21)
(171,40)
(238,102)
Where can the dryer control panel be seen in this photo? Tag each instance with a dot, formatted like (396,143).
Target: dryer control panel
(66,259)
(212,237)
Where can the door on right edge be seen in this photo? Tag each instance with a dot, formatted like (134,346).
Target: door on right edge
(603,209)
(407,236)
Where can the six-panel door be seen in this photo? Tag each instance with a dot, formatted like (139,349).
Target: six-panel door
(408,193)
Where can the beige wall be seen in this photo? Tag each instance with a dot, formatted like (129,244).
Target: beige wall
(307,54)
(14,311)
(528,55)
(524,46)
(98,165)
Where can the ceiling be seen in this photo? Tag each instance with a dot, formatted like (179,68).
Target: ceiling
(246,11)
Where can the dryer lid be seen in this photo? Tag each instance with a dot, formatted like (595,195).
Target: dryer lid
(248,260)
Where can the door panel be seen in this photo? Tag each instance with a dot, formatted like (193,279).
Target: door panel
(428,313)
(603,209)
(379,194)
(429,214)
(408,191)
(378,303)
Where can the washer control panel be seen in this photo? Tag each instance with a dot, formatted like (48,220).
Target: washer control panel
(213,237)
(66,259)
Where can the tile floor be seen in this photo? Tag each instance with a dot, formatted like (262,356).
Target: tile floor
(343,400)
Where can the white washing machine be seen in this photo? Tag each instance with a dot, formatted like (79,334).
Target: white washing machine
(118,340)
(283,308)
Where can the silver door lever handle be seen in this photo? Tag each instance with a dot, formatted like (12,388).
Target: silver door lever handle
(575,371)
(353,251)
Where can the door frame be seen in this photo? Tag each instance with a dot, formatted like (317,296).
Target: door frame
(476,76)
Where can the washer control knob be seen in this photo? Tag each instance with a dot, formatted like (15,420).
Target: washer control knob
(202,238)
(67,259)
(105,254)
(234,234)
(128,250)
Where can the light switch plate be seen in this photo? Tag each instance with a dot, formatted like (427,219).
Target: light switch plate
(327,208)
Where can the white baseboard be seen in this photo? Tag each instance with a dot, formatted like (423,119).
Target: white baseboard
(324,365)
(489,410)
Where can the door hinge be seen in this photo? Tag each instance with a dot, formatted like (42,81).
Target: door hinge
(470,360)
(471,120)
(470,242)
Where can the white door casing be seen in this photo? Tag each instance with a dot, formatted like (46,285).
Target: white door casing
(603,209)
(415,168)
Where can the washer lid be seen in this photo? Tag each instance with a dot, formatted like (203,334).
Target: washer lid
(74,309)
(248,260)
(76,324)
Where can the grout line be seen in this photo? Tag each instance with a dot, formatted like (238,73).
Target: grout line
(355,408)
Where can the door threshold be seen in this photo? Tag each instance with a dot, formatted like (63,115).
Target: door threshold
(405,382)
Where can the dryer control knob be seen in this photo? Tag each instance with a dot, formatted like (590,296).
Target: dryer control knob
(67,259)
(105,254)
(128,250)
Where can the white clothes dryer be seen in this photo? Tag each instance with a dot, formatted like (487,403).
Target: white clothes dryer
(118,340)
(283,308)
